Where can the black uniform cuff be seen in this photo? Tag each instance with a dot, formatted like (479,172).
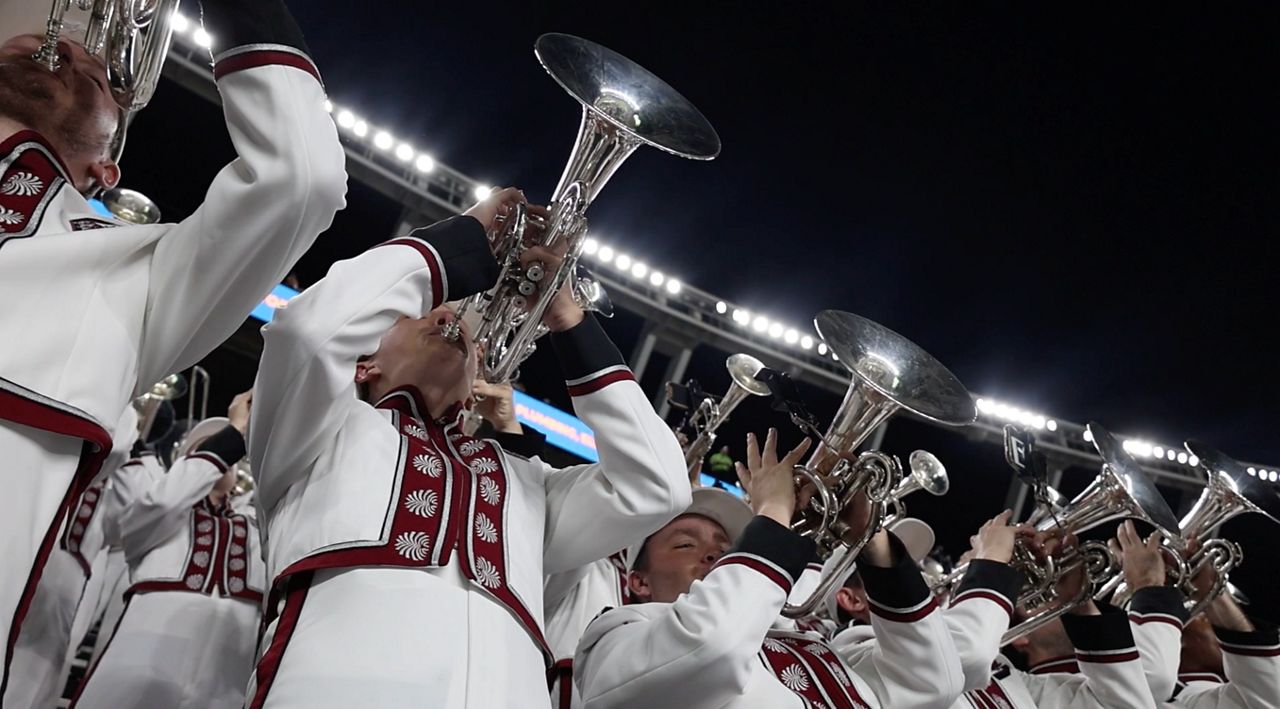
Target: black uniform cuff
(227,444)
(588,358)
(1156,603)
(771,549)
(527,444)
(994,580)
(898,592)
(1263,641)
(139,448)
(1101,638)
(237,23)
(469,265)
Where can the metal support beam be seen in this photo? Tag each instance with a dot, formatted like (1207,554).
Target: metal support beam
(639,360)
(675,373)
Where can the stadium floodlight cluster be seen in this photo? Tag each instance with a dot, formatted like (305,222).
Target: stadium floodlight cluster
(763,330)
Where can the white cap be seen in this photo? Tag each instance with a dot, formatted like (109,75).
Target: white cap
(199,432)
(715,504)
(916,535)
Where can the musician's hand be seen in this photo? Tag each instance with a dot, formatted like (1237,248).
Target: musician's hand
(499,203)
(768,481)
(1206,576)
(996,538)
(497,406)
(563,311)
(239,410)
(1143,561)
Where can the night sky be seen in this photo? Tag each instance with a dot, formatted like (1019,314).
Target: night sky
(1071,207)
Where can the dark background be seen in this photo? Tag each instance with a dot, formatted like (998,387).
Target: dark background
(1073,207)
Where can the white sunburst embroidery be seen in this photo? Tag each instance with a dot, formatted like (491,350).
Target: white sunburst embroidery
(416,431)
(413,545)
(481,466)
(794,679)
(428,464)
(487,573)
(22,184)
(422,502)
(485,529)
(8,216)
(195,581)
(839,672)
(489,491)
(816,648)
(471,447)
(200,558)
(774,645)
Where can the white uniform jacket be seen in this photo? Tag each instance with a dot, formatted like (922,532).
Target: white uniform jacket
(1251,661)
(572,600)
(176,540)
(104,309)
(716,646)
(347,484)
(1110,676)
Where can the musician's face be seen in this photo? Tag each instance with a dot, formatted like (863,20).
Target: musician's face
(677,555)
(414,352)
(72,107)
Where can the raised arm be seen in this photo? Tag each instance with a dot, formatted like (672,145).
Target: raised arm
(1111,674)
(913,661)
(701,649)
(1250,658)
(262,211)
(305,387)
(161,509)
(638,485)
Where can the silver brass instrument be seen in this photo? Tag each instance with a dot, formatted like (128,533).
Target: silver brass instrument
(130,206)
(132,37)
(927,474)
(711,414)
(148,403)
(1229,492)
(623,107)
(1121,491)
(889,373)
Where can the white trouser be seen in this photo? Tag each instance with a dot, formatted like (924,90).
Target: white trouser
(392,637)
(175,650)
(36,678)
(36,469)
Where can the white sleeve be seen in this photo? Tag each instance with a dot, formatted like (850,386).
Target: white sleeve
(979,615)
(1251,661)
(1156,617)
(127,483)
(1111,674)
(701,649)
(914,660)
(264,209)
(160,510)
(305,387)
(640,482)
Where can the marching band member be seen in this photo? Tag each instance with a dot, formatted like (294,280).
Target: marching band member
(1100,639)
(133,303)
(1229,660)
(704,634)
(188,632)
(1221,658)
(40,656)
(407,558)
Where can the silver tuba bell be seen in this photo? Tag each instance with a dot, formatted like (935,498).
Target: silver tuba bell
(1229,492)
(889,373)
(708,414)
(130,206)
(623,107)
(1121,491)
(131,36)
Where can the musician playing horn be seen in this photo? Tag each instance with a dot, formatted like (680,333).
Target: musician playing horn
(196,579)
(708,631)
(406,557)
(94,306)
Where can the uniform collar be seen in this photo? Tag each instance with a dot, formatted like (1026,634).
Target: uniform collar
(27,144)
(408,400)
